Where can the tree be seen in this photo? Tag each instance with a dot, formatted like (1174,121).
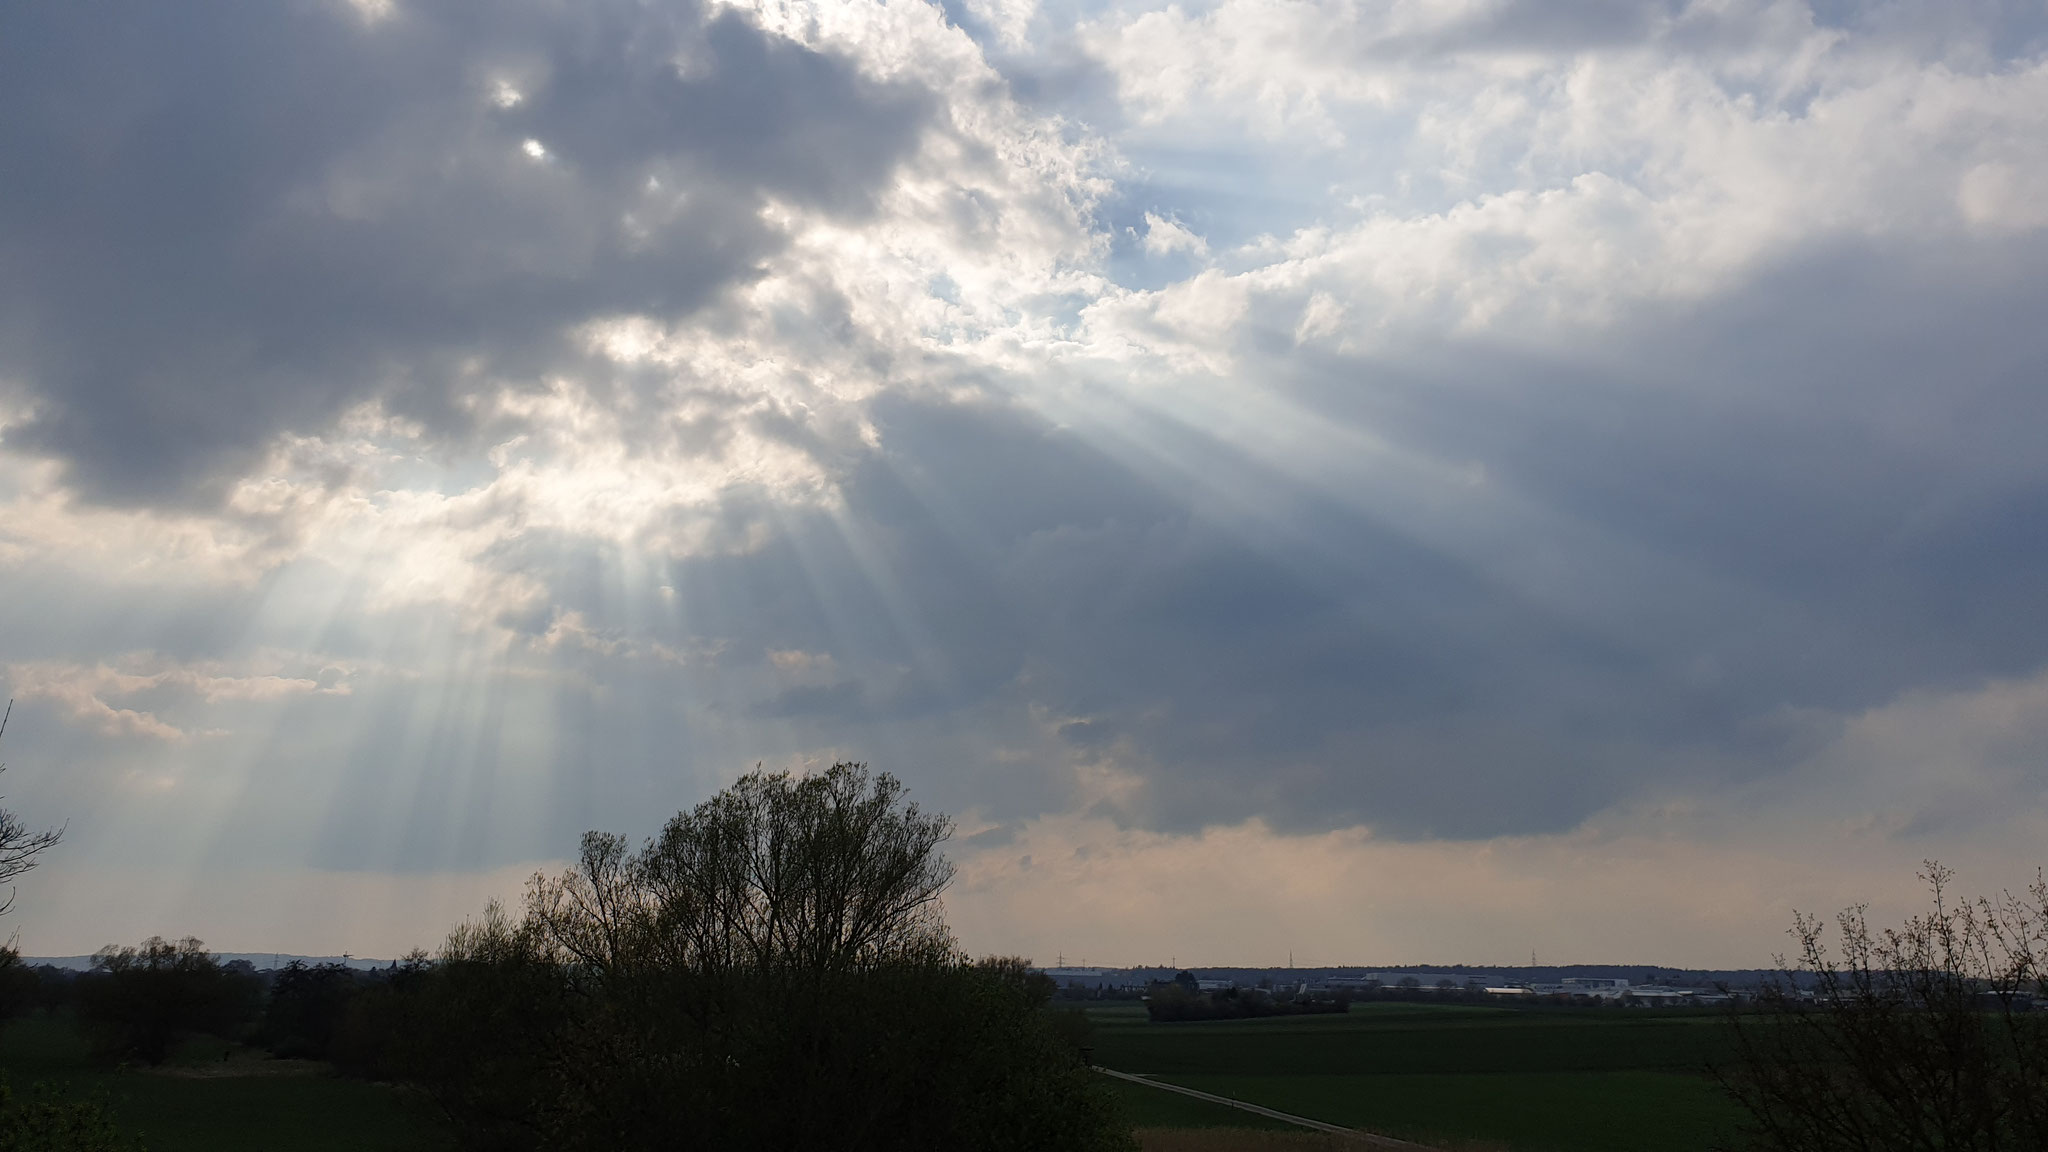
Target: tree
(45,1122)
(1923,1037)
(19,847)
(139,1002)
(777,874)
(771,971)
(305,1008)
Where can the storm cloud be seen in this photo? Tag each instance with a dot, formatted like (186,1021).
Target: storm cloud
(237,221)
(1485,446)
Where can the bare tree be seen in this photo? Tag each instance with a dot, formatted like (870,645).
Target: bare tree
(771,971)
(19,847)
(806,875)
(1929,1037)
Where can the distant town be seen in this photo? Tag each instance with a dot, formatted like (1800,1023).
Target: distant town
(1651,986)
(1629,984)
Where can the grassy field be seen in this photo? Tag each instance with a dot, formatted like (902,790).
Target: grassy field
(1153,1108)
(1472,1077)
(1534,1080)
(202,1103)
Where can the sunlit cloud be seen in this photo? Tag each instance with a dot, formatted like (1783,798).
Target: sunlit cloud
(1476,468)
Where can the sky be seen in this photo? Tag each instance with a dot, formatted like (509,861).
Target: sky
(1381,481)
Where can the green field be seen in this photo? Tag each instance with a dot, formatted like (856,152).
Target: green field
(201,1103)
(1557,1080)
(1152,1108)
(1533,1080)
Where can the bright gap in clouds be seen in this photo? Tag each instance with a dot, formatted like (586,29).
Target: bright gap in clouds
(1517,476)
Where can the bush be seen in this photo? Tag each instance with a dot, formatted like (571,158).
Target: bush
(1924,1036)
(49,1123)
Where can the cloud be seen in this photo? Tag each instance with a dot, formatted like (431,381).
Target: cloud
(1164,237)
(367,915)
(1469,445)
(241,224)
(1690,879)
(89,693)
(1113,896)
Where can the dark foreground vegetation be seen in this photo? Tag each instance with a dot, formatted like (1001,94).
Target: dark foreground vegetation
(1932,1035)
(768,972)
(771,972)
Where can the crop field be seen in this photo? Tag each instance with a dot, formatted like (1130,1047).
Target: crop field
(1152,1108)
(1530,1079)
(1455,1076)
(200,1102)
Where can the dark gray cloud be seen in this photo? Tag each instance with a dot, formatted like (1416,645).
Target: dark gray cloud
(1828,469)
(220,221)
(1814,491)
(1831,465)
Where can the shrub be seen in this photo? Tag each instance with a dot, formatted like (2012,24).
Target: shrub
(46,1122)
(1924,1036)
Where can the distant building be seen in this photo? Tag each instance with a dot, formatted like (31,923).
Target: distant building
(1593,987)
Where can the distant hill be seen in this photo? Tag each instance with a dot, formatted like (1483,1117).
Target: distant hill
(261,960)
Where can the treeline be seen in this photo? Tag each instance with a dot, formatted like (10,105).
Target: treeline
(1182,999)
(138,1004)
(770,972)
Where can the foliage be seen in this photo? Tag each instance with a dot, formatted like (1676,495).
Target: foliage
(139,1002)
(20,987)
(1925,1036)
(769,972)
(46,1122)
(306,1008)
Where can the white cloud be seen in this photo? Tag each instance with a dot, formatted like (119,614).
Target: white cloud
(1164,237)
(1509,185)
(97,694)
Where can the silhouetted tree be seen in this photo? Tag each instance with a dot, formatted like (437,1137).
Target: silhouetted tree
(1923,1037)
(20,850)
(45,1121)
(20,989)
(139,1002)
(305,1008)
(770,972)
(19,847)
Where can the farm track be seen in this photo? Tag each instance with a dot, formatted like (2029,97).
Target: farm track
(1372,1139)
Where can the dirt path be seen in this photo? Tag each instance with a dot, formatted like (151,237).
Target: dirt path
(1371,1138)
